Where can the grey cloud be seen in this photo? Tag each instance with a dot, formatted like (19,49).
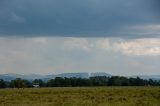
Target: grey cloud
(82,18)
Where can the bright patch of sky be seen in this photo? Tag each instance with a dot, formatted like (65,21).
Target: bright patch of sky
(50,55)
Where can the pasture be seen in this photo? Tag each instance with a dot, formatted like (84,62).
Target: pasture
(81,96)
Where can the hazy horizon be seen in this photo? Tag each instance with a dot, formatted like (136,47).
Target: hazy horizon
(134,75)
(58,36)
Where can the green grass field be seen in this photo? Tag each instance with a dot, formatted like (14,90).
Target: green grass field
(81,96)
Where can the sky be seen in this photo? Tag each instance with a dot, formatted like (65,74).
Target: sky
(119,37)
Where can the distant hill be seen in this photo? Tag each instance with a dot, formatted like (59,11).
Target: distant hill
(69,75)
(153,77)
(100,74)
(6,78)
(12,76)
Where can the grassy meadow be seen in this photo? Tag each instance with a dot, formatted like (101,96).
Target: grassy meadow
(81,96)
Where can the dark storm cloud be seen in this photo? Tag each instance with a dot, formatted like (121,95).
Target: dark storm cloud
(156,7)
(78,18)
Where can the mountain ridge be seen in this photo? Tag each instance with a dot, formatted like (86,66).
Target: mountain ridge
(12,76)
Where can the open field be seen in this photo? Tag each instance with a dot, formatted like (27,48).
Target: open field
(84,96)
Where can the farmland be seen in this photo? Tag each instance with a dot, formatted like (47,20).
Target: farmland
(81,96)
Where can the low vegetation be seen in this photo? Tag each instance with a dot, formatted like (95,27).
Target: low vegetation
(81,96)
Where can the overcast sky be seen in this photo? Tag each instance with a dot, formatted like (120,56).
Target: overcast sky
(120,37)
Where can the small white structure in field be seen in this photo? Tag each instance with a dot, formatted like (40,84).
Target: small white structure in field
(36,86)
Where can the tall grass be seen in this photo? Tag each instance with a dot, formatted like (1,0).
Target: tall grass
(81,96)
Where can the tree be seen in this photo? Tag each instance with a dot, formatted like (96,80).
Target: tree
(124,81)
(59,82)
(67,82)
(99,80)
(51,83)
(139,82)
(39,82)
(2,84)
(28,83)
(114,81)
(18,83)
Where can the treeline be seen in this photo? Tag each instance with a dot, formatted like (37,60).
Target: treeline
(78,82)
